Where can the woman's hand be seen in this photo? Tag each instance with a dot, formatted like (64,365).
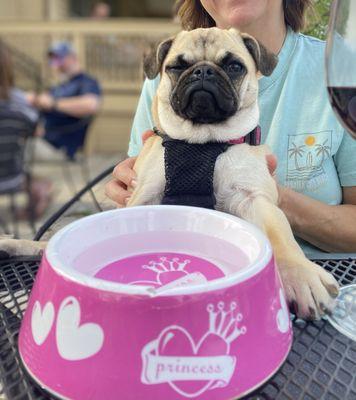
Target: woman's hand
(124,179)
(119,189)
(271,163)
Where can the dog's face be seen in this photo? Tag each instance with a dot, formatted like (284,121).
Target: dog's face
(209,83)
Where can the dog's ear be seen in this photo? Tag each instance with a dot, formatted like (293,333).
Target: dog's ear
(153,61)
(265,60)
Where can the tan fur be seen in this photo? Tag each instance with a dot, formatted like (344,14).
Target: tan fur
(16,248)
(150,186)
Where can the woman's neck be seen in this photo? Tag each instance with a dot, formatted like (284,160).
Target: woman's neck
(271,35)
(270,29)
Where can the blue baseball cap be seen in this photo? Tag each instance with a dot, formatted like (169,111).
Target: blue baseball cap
(60,50)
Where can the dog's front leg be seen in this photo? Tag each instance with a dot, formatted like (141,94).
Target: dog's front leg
(149,168)
(309,286)
(15,247)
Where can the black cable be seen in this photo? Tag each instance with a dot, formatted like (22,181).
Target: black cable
(67,205)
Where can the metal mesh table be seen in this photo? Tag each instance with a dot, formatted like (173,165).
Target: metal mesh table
(321,364)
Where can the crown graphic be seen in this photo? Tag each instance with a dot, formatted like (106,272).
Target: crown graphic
(166,265)
(224,323)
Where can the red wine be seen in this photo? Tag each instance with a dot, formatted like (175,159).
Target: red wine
(343,101)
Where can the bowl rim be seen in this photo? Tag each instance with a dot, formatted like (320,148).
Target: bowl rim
(262,261)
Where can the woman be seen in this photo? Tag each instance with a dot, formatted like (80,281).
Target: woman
(316,157)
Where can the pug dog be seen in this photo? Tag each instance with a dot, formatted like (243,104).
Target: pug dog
(208,98)
(208,93)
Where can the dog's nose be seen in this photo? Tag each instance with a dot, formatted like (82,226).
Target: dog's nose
(204,72)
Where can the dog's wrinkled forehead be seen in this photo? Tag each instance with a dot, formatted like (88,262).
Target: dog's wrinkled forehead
(208,45)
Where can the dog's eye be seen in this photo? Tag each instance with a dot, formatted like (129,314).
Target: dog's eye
(178,68)
(235,67)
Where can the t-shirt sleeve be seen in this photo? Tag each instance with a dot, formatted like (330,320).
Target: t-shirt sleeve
(345,161)
(143,117)
(90,86)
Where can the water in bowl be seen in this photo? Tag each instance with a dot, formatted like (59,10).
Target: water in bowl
(164,260)
(161,270)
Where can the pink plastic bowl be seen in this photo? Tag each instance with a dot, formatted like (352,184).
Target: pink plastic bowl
(156,303)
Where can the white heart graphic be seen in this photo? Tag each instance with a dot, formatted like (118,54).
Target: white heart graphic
(283,320)
(41,322)
(74,341)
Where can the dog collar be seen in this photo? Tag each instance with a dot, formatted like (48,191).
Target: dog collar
(253,138)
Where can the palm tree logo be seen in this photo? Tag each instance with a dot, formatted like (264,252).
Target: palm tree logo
(323,150)
(296,152)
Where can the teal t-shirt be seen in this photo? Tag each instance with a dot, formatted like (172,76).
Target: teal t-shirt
(315,155)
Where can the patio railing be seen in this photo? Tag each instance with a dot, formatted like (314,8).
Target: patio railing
(111,51)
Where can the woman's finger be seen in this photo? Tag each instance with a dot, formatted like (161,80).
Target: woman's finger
(147,135)
(124,172)
(116,191)
(271,163)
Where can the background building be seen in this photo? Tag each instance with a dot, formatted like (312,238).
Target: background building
(62,9)
(111,50)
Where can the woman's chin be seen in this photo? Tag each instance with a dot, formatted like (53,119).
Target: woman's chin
(239,19)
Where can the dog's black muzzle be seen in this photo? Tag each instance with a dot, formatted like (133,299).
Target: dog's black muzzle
(204,96)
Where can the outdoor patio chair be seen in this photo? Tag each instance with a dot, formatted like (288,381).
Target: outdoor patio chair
(15,175)
(80,159)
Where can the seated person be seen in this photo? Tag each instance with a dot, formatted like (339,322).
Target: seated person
(67,109)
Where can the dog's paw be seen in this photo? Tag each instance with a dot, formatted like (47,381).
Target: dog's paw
(310,289)
(13,248)
(8,248)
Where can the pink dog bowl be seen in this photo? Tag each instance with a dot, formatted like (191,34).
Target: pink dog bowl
(156,303)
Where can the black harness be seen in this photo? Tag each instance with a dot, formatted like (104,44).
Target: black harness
(189,169)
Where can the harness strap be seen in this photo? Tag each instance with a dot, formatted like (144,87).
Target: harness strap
(190,172)
(189,169)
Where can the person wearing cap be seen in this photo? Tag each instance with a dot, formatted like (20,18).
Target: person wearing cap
(100,11)
(68,108)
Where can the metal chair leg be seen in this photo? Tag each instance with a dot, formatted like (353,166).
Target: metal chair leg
(14,216)
(4,226)
(31,205)
(86,177)
(71,185)
(67,175)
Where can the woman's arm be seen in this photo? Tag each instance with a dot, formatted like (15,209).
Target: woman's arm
(331,228)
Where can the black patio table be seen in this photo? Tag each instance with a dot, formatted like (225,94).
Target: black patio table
(321,364)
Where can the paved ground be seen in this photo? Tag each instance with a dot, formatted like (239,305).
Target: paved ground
(64,176)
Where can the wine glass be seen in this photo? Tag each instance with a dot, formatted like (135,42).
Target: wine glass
(341,62)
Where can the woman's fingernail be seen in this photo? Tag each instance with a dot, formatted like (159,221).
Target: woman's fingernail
(127,200)
(134,183)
